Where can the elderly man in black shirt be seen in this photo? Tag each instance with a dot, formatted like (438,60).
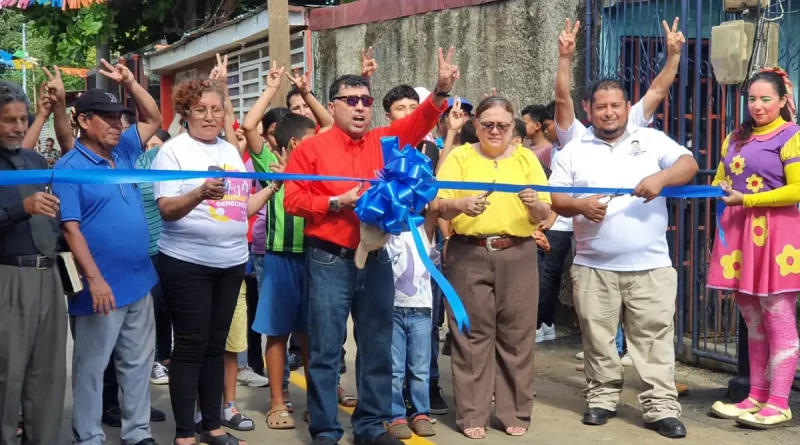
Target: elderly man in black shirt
(33,313)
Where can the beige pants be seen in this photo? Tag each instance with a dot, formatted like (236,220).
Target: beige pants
(237,334)
(645,303)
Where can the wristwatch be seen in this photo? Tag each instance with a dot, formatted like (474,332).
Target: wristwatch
(438,93)
(333,204)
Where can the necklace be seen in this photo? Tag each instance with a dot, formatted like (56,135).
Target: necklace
(203,148)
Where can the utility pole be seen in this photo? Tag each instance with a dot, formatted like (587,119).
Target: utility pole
(279,49)
(24,57)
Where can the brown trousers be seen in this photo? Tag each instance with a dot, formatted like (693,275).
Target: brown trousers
(500,291)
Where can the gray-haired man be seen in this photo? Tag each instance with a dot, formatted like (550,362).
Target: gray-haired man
(33,314)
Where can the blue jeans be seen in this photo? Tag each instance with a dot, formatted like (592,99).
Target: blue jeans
(620,340)
(411,360)
(438,312)
(337,288)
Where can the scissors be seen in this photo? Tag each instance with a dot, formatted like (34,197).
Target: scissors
(610,197)
(486,195)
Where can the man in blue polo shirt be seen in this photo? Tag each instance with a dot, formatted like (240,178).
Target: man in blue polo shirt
(106,230)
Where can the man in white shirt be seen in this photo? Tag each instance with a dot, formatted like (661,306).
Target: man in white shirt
(568,128)
(622,268)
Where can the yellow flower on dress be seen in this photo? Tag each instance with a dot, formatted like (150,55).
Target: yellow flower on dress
(755,183)
(737,165)
(789,260)
(760,231)
(732,265)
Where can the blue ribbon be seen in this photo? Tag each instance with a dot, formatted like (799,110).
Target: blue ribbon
(720,210)
(394,203)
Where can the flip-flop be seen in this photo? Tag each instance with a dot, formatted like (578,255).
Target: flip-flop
(239,422)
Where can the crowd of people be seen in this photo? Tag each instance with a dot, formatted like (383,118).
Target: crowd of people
(182,278)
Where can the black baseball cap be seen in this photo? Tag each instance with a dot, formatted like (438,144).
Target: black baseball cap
(103,101)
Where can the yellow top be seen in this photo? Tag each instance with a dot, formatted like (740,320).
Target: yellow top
(505,214)
(781,196)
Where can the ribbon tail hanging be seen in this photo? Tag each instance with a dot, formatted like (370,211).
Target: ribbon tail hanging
(720,210)
(459,313)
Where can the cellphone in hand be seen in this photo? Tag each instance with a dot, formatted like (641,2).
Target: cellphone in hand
(214,168)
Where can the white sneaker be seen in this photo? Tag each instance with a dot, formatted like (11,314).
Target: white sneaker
(545,333)
(579,356)
(626,361)
(248,377)
(159,375)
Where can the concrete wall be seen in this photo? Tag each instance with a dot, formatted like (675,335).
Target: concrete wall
(510,45)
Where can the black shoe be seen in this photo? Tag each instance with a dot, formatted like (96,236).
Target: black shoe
(670,427)
(447,347)
(383,439)
(322,440)
(295,361)
(156,415)
(148,441)
(113,417)
(597,416)
(438,405)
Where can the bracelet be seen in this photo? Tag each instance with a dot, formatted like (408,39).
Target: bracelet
(274,187)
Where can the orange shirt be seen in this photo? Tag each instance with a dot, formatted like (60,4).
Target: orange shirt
(334,153)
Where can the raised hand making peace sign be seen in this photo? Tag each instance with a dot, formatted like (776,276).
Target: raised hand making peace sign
(448,73)
(119,73)
(55,86)
(368,64)
(673,38)
(567,39)
(301,81)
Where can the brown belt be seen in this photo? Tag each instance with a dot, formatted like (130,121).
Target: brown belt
(493,243)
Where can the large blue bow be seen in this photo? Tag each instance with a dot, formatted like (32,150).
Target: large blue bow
(405,186)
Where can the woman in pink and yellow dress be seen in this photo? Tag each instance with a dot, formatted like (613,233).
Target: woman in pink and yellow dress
(757,250)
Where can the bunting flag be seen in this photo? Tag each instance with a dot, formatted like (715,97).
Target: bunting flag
(61,4)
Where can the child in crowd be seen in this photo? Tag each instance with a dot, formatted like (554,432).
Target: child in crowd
(538,125)
(282,307)
(398,103)
(411,340)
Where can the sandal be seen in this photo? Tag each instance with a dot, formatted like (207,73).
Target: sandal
(399,430)
(422,426)
(288,403)
(345,400)
(239,422)
(516,431)
(279,419)
(222,439)
(475,433)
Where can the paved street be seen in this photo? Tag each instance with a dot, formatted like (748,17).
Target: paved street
(556,412)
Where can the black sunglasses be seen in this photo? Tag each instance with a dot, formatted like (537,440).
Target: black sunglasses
(353,100)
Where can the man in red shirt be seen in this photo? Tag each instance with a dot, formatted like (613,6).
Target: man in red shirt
(335,285)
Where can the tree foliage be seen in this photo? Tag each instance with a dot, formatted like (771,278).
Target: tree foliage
(11,40)
(128,25)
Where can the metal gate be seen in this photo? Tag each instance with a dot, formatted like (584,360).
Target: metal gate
(625,39)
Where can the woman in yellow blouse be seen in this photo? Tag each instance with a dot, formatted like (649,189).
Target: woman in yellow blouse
(492,266)
(759,259)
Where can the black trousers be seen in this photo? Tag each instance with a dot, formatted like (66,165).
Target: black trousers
(550,274)
(201,302)
(255,354)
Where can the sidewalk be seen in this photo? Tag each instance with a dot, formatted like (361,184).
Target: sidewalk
(556,413)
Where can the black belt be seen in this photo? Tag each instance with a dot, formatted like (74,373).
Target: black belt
(36,261)
(337,250)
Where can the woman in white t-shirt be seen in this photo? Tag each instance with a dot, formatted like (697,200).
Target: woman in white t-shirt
(202,255)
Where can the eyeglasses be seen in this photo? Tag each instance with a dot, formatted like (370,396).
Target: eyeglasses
(201,113)
(502,127)
(353,100)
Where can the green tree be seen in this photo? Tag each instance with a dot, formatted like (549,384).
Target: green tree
(11,22)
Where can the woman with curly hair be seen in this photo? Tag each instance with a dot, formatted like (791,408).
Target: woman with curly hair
(757,249)
(202,255)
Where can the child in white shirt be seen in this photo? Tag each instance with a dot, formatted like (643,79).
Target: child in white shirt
(411,340)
